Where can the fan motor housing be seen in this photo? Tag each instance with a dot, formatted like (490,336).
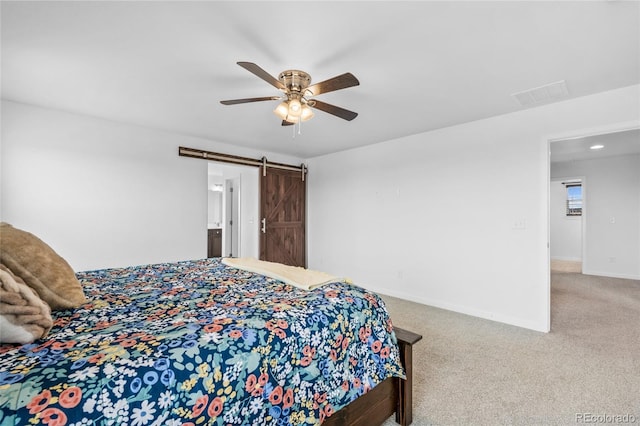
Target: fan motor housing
(295,80)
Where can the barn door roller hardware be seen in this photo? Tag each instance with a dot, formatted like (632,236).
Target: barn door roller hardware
(245,161)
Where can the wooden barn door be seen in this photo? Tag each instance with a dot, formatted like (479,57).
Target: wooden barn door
(282,205)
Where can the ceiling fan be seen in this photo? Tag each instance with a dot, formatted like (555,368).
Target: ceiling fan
(297,105)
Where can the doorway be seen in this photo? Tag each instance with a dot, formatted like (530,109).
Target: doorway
(274,196)
(235,214)
(608,167)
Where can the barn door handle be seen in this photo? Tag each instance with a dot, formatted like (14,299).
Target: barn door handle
(264,225)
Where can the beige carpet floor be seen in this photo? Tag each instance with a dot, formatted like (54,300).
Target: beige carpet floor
(469,371)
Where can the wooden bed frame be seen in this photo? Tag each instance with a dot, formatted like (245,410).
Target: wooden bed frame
(392,395)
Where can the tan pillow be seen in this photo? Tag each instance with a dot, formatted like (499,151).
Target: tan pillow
(24,317)
(40,267)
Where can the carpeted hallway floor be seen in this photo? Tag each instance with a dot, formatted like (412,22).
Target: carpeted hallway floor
(469,371)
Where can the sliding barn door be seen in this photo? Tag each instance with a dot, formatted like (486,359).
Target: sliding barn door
(282,204)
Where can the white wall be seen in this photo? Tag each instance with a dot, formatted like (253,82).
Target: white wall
(105,194)
(612,214)
(438,217)
(429,217)
(566,231)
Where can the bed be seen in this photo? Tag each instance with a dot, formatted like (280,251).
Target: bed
(201,343)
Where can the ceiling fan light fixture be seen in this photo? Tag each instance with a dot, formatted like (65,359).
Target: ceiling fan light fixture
(282,110)
(295,107)
(307,113)
(295,85)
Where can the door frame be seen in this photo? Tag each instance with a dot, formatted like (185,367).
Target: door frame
(264,165)
(548,140)
(232,246)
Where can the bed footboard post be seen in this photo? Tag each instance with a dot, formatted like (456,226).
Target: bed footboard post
(404,409)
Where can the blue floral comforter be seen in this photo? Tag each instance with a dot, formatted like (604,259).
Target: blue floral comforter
(199,343)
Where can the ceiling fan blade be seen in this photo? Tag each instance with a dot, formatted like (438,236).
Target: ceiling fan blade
(287,123)
(336,83)
(247,100)
(255,69)
(335,110)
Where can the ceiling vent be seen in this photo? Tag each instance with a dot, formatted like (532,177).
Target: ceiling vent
(549,92)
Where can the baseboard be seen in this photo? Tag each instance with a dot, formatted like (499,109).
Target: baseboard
(612,275)
(570,259)
(566,265)
(506,319)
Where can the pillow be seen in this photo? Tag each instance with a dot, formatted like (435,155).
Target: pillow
(40,267)
(24,317)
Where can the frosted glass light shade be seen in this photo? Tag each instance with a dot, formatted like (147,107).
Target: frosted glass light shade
(295,108)
(282,110)
(307,113)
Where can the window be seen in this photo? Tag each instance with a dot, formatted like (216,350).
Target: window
(574,199)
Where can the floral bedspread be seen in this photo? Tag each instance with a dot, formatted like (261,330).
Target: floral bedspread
(199,343)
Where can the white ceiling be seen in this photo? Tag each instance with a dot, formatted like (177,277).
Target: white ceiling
(614,144)
(421,65)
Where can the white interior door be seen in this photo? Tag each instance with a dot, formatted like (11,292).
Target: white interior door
(231,231)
